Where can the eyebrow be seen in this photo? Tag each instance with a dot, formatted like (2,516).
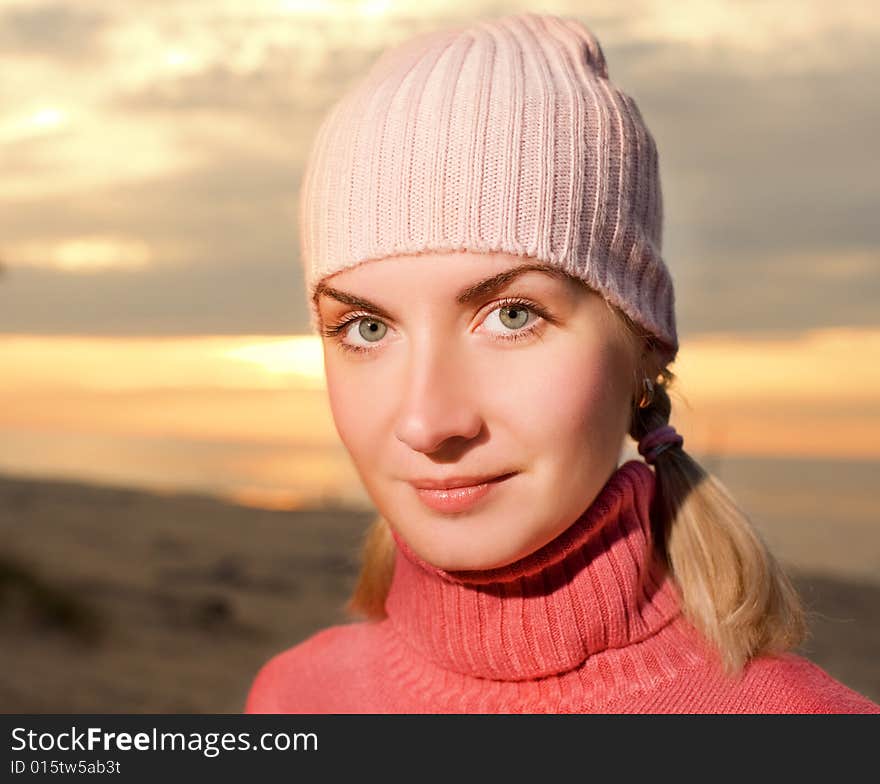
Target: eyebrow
(481,288)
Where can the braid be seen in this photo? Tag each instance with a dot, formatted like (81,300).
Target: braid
(733,589)
(655,411)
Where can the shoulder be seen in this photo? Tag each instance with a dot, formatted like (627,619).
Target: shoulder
(315,675)
(789,683)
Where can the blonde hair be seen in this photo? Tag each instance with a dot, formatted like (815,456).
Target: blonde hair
(733,589)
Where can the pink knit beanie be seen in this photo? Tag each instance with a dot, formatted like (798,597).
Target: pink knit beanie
(505,135)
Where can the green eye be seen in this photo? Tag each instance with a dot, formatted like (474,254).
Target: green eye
(514,316)
(372,330)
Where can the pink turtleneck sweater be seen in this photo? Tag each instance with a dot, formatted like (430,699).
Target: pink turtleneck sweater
(589,623)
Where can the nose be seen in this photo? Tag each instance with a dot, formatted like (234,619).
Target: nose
(437,403)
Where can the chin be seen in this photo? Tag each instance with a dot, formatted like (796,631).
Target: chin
(468,555)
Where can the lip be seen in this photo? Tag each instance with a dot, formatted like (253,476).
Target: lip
(455,481)
(452,495)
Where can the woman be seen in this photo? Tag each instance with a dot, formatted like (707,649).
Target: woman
(481,228)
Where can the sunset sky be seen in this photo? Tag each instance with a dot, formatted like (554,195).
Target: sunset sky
(153,324)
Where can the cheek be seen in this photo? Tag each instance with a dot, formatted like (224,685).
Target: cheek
(351,402)
(574,394)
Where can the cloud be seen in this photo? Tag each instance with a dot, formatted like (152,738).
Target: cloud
(226,296)
(87,254)
(286,81)
(191,138)
(765,292)
(59,31)
(238,199)
(224,258)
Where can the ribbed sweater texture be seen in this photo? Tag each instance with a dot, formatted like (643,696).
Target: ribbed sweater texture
(590,623)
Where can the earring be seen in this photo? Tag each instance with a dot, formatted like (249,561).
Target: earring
(648,394)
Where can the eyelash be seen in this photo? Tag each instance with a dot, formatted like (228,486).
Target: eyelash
(335,331)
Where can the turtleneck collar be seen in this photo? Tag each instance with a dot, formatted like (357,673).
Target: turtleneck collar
(598,585)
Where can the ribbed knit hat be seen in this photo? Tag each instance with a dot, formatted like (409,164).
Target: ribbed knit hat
(505,135)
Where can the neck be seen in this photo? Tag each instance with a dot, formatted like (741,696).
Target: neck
(599,585)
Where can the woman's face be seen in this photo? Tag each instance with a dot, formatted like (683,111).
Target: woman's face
(434,373)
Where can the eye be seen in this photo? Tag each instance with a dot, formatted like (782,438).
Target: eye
(514,316)
(361,332)
(371,330)
(365,327)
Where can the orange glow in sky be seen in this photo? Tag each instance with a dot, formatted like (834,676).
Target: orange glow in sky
(151,161)
(815,395)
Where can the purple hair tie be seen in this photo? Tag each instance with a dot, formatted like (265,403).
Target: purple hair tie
(657,441)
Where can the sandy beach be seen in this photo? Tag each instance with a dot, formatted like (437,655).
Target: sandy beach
(125,601)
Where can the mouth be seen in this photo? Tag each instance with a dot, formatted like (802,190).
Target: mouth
(457,482)
(461,497)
